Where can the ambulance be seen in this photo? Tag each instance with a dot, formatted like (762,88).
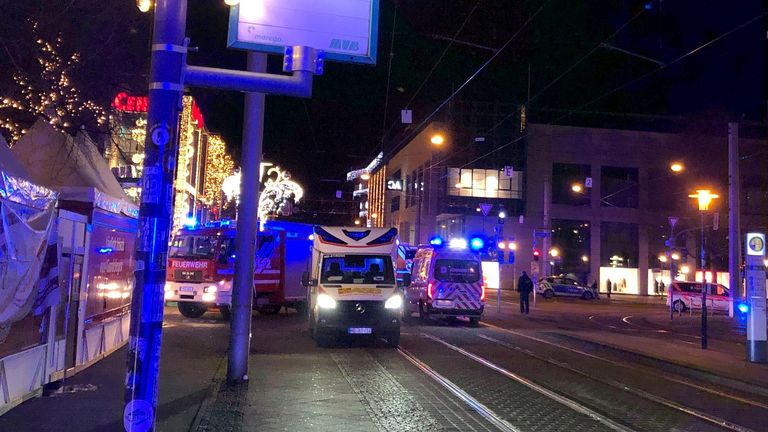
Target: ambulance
(352,287)
(447,280)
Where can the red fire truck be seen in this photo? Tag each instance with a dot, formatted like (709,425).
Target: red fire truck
(201,264)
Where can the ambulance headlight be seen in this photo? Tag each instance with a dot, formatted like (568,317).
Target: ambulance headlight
(394,302)
(210,289)
(324,301)
(209,297)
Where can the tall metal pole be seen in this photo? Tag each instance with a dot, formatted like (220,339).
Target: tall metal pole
(546,239)
(245,242)
(165,92)
(734,211)
(704,289)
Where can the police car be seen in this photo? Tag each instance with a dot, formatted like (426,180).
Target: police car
(564,287)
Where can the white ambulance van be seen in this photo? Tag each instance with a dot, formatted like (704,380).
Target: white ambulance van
(446,281)
(352,286)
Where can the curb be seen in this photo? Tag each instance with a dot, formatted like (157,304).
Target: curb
(679,367)
(204,409)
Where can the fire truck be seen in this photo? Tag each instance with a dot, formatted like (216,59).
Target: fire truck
(201,263)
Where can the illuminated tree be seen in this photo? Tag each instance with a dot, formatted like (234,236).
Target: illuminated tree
(47,92)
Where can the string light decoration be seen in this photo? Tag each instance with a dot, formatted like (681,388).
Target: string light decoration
(48,93)
(181,185)
(278,191)
(218,166)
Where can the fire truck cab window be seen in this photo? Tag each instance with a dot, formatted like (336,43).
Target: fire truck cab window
(358,269)
(193,247)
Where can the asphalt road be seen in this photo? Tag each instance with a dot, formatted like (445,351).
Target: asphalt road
(512,372)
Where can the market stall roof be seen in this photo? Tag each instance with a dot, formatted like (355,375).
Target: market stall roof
(71,165)
(15,184)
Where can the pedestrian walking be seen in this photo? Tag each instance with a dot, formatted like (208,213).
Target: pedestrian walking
(524,287)
(608,287)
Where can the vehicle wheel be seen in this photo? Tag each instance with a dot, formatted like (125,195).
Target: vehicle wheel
(548,294)
(679,306)
(192,309)
(423,314)
(269,309)
(587,295)
(474,321)
(226,312)
(393,341)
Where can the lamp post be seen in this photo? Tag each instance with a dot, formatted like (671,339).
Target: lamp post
(704,198)
(436,140)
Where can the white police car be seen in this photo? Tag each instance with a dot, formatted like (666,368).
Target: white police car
(564,287)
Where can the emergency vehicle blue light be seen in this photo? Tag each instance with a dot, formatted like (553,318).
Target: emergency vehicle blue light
(436,241)
(190,221)
(476,243)
(743,308)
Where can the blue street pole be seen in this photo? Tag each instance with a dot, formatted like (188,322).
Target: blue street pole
(165,92)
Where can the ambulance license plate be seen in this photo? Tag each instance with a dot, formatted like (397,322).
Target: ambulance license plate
(360,330)
(186,288)
(444,303)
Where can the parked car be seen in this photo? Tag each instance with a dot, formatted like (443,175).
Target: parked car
(687,295)
(561,286)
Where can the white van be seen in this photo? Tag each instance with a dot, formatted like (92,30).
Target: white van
(352,286)
(446,282)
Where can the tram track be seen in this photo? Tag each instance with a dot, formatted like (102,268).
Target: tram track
(621,386)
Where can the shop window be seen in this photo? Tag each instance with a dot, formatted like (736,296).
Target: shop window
(484,183)
(394,204)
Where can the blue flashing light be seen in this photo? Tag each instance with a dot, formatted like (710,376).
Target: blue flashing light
(190,222)
(743,308)
(436,241)
(105,250)
(476,243)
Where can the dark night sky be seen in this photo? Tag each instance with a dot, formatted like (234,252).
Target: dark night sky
(341,127)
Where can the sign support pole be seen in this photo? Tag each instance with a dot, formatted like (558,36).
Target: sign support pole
(145,334)
(246,240)
(757,347)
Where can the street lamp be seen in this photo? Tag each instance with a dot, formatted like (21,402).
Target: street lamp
(554,252)
(676,167)
(437,139)
(144,5)
(675,256)
(704,198)
(365,176)
(576,187)
(663,258)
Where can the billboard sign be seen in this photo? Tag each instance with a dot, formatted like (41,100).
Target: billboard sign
(345,29)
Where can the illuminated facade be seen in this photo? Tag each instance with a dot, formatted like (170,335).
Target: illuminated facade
(202,160)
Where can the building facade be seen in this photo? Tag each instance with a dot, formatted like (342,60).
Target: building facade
(595,203)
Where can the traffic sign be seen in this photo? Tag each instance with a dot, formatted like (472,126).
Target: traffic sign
(345,30)
(485,208)
(673,221)
(588,182)
(534,267)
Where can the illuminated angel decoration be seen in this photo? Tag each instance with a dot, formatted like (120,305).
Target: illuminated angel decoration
(278,192)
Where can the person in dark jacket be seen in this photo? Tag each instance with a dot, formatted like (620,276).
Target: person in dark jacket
(524,287)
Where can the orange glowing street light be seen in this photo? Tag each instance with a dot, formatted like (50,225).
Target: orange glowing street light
(437,139)
(676,167)
(576,187)
(704,197)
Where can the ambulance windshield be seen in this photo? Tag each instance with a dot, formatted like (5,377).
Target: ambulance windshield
(457,270)
(358,269)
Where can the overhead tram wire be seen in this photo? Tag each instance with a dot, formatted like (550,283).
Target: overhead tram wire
(470,78)
(389,76)
(384,130)
(646,75)
(546,87)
